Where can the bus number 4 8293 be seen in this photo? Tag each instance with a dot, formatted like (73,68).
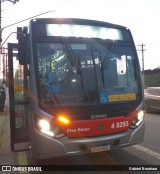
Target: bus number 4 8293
(120,124)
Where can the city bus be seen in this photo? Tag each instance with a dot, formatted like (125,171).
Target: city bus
(81,87)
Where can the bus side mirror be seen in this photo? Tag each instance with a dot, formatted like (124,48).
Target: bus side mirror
(22,37)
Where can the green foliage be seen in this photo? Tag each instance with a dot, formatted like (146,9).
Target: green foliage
(152,80)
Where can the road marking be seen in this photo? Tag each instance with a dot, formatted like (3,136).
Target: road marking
(22,160)
(148,151)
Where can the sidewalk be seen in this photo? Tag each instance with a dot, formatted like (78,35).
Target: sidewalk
(2,118)
(5,129)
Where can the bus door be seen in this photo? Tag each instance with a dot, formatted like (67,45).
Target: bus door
(18,101)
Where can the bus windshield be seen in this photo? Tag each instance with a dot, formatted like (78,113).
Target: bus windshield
(85,72)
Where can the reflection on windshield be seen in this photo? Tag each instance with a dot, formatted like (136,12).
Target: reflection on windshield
(85,73)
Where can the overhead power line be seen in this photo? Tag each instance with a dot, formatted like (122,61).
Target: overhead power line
(13,1)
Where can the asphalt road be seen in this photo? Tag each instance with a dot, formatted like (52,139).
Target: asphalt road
(152,133)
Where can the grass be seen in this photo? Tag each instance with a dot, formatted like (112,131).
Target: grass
(152,80)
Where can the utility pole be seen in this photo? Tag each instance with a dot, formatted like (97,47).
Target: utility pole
(142,51)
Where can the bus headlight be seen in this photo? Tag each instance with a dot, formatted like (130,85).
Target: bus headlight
(44,126)
(51,129)
(137,120)
(140,115)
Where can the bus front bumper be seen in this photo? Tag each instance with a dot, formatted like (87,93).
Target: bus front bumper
(44,147)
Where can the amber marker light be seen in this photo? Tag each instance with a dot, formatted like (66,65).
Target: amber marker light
(63,119)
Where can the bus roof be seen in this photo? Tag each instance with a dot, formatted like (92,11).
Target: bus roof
(78,21)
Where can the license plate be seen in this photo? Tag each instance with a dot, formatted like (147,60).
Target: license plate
(100,148)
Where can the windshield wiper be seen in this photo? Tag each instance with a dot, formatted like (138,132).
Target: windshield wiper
(108,55)
(70,53)
(105,62)
(71,57)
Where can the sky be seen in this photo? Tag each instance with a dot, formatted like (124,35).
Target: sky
(140,16)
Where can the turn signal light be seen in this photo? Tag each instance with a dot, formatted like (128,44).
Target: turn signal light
(63,119)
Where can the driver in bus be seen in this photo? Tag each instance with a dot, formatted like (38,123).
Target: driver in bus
(51,82)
